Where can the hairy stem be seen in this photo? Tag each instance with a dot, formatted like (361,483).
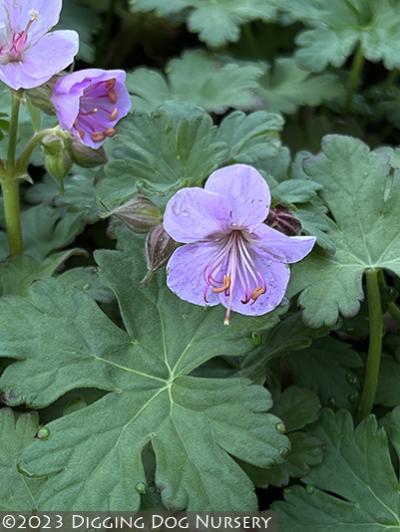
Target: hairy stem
(375,345)
(355,74)
(36,140)
(10,183)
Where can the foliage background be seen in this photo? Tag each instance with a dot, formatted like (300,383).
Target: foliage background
(106,407)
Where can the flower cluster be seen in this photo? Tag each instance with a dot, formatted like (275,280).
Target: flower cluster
(88,103)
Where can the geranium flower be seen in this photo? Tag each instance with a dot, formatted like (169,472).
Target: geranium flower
(29,54)
(230,256)
(90,103)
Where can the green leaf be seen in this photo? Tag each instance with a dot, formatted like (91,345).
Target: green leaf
(285,87)
(45,230)
(217,21)
(157,155)
(196,77)
(388,393)
(87,279)
(195,425)
(354,488)
(296,191)
(297,407)
(17,493)
(337,28)
(363,198)
(251,136)
(85,21)
(17,274)
(328,368)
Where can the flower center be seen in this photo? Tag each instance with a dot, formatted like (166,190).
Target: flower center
(98,111)
(19,40)
(233,269)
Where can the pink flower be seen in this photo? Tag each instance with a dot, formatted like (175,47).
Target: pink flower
(90,103)
(29,54)
(230,256)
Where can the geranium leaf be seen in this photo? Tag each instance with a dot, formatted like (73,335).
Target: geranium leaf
(17,274)
(363,198)
(354,488)
(217,21)
(191,422)
(285,87)
(45,230)
(197,77)
(17,493)
(328,368)
(85,21)
(339,26)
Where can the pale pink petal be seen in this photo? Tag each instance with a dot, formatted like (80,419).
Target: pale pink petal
(247,192)
(186,270)
(194,214)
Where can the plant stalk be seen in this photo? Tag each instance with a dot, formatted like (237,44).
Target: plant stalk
(10,183)
(355,74)
(375,345)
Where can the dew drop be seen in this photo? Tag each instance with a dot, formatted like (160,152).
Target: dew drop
(141,487)
(176,208)
(287,491)
(332,402)
(310,489)
(353,397)
(352,379)
(280,427)
(43,433)
(86,286)
(269,262)
(255,339)
(184,213)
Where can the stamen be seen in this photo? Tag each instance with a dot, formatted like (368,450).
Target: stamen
(98,136)
(81,133)
(114,114)
(110,84)
(225,286)
(259,291)
(110,132)
(112,95)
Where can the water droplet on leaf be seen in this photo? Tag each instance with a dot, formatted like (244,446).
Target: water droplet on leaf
(43,433)
(332,402)
(141,487)
(310,489)
(281,427)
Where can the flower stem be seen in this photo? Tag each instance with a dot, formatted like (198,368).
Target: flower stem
(36,140)
(355,74)
(394,310)
(375,345)
(10,183)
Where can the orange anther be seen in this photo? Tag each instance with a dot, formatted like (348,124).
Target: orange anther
(98,136)
(114,114)
(259,291)
(225,286)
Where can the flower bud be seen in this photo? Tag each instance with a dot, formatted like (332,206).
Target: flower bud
(87,157)
(57,158)
(284,221)
(159,248)
(139,214)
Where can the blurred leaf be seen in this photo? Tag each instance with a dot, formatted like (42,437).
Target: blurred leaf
(285,87)
(196,77)
(338,26)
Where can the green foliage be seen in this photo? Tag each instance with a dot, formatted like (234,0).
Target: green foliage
(328,367)
(362,196)
(354,488)
(199,78)
(17,493)
(339,26)
(285,87)
(216,21)
(146,370)
(178,145)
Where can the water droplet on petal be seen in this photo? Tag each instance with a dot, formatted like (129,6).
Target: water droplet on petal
(176,208)
(269,262)
(184,213)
